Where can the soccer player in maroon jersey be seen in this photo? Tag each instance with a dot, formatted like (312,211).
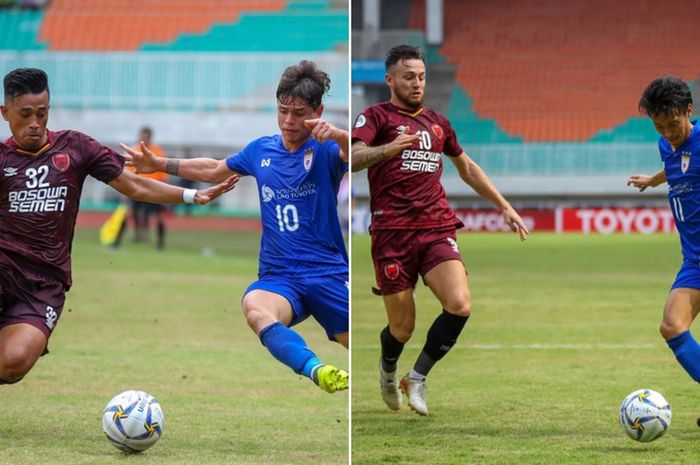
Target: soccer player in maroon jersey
(413,228)
(41,178)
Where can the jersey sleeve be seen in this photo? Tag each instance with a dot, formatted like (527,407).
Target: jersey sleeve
(104,163)
(366,126)
(338,166)
(451,147)
(243,162)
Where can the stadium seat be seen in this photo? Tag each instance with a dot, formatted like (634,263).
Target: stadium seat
(572,71)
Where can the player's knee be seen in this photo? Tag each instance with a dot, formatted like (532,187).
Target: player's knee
(670,329)
(403,332)
(14,365)
(460,307)
(256,317)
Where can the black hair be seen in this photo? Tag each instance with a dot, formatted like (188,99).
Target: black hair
(25,81)
(403,52)
(305,81)
(667,95)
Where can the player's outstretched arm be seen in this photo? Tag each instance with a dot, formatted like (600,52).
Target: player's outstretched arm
(642,181)
(472,174)
(206,170)
(364,156)
(149,190)
(323,131)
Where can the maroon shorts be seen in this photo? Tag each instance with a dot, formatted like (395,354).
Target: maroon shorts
(401,255)
(29,297)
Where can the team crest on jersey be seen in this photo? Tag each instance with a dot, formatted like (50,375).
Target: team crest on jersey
(401,129)
(437,129)
(685,161)
(391,271)
(61,161)
(308,159)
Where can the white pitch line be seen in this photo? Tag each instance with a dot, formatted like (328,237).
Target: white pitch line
(535,346)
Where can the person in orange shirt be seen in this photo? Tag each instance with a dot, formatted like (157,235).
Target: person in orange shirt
(141,212)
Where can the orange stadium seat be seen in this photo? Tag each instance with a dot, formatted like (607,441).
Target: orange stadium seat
(563,70)
(128,24)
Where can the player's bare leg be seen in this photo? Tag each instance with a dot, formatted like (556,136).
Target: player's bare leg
(21,345)
(269,315)
(682,306)
(448,281)
(401,314)
(343,339)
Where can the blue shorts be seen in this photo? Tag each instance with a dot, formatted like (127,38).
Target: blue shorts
(324,297)
(688,276)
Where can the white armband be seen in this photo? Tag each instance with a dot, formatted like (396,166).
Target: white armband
(188,195)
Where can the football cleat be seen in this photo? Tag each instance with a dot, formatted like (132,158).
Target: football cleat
(330,378)
(416,392)
(389,385)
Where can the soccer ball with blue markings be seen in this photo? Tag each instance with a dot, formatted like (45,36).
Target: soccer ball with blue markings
(645,415)
(133,421)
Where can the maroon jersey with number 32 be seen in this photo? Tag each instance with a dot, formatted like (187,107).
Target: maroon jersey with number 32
(40,197)
(405,190)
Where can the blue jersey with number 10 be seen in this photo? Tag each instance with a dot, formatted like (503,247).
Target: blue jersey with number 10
(682,168)
(298,205)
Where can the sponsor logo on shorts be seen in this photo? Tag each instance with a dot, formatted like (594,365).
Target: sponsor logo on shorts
(391,271)
(51,317)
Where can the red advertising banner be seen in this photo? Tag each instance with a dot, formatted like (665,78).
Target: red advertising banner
(615,220)
(583,220)
(488,220)
(576,220)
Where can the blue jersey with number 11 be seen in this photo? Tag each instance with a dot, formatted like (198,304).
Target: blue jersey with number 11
(298,205)
(682,168)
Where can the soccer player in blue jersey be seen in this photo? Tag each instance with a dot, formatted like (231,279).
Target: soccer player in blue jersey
(303,263)
(669,104)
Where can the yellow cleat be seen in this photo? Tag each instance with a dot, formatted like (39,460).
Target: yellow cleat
(331,379)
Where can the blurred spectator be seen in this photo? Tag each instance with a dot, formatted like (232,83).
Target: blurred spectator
(141,212)
(186,183)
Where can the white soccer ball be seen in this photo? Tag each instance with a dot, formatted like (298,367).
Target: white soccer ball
(133,421)
(645,415)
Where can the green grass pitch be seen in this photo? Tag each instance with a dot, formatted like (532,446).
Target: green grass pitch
(563,327)
(170,323)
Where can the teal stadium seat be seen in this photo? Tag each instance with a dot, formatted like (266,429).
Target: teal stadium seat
(221,68)
(19,30)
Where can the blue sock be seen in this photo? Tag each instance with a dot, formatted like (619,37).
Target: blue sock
(289,348)
(687,352)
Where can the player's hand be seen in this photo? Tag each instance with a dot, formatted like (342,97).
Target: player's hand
(403,141)
(204,196)
(143,160)
(321,130)
(515,222)
(640,181)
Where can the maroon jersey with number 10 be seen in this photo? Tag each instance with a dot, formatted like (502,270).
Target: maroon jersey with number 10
(405,190)
(40,197)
